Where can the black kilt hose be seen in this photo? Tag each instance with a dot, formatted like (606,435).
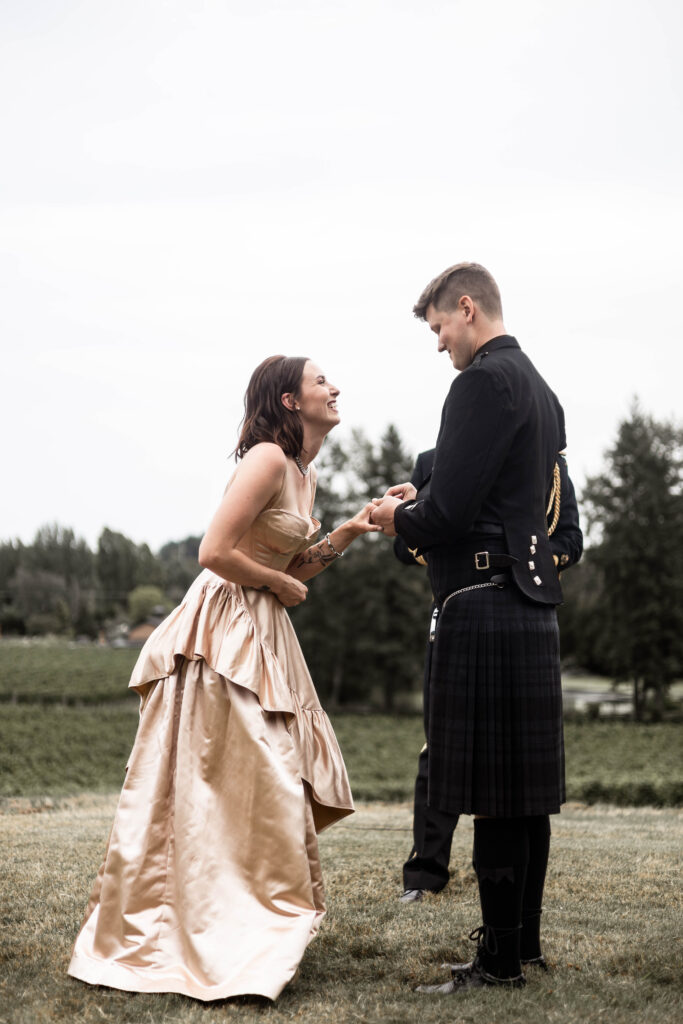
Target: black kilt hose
(495,706)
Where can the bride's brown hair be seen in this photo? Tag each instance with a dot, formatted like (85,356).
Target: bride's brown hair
(265,416)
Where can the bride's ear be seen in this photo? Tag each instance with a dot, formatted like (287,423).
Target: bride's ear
(289,402)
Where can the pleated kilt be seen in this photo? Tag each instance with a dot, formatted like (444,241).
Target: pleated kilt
(494,716)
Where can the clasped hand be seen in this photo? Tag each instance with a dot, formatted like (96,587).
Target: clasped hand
(383,512)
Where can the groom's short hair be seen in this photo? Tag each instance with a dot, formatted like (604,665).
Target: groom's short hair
(446,290)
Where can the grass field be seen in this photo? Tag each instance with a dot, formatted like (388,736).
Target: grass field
(612,909)
(55,750)
(612,902)
(67,723)
(58,672)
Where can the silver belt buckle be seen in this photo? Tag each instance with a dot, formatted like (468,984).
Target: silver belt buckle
(479,555)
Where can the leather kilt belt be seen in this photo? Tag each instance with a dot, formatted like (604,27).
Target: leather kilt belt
(480,560)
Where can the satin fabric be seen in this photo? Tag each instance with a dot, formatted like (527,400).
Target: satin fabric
(211,883)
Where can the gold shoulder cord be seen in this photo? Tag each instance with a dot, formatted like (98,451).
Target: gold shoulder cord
(554,501)
(418,558)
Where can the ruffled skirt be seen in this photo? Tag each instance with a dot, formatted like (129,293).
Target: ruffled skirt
(211,884)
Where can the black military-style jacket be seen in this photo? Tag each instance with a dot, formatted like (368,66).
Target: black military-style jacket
(566,541)
(501,431)
(420,479)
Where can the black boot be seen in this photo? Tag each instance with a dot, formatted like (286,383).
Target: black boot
(500,857)
(501,854)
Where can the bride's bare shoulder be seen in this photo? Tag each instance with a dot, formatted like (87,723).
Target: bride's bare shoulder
(261,470)
(264,465)
(265,454)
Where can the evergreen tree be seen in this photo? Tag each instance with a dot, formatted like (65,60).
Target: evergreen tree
(55,585)
(10,560)
(580,617)
(123,565)
(116,568)
(41,601)
(635,512)
(179,565)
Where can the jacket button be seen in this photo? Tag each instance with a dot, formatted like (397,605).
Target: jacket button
(538,580)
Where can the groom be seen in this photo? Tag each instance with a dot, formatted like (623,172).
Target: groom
(495,709)
(426,869)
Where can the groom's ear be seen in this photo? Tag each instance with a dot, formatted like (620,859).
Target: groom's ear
(466,306)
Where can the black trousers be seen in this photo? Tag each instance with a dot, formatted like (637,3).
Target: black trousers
(427,865)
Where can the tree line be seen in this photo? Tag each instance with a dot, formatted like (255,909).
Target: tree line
(623,611)
(363,626)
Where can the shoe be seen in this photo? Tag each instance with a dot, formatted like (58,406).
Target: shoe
(536,961)
(474,976)
(411,896)
(484,937)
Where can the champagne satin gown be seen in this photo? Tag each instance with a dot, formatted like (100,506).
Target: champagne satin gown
(211,884)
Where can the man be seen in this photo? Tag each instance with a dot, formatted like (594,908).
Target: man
(427,866)
(494,731)
(426,869)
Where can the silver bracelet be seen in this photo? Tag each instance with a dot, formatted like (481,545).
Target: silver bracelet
(332,548)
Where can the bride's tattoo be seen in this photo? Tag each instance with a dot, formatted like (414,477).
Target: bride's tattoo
(315,554)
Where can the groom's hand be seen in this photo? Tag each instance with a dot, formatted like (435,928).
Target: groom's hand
(383,513)
(406,492)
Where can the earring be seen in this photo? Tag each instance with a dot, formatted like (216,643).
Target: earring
(298,408)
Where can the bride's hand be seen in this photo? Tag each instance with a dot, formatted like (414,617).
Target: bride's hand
(406,492)
(362,523)
(289,591)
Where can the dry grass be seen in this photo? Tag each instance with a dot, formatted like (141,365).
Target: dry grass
(612,906)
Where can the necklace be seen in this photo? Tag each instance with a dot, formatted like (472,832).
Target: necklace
(302,469)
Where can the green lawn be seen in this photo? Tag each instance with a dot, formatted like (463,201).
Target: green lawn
(63,673)
(55,750)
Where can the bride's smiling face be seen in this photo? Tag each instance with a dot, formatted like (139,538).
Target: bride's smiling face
(317,398)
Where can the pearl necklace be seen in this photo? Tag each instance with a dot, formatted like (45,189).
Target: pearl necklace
(302,469)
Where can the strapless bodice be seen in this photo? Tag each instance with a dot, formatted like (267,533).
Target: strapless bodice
(276,535)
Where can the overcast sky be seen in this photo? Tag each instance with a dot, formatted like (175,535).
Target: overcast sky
(187,187)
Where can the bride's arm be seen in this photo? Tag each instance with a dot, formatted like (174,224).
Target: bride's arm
(259,477)
(316,558)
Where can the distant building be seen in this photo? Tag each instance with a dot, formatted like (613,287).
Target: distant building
(124,635)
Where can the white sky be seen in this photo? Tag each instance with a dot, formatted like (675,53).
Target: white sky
(188,186)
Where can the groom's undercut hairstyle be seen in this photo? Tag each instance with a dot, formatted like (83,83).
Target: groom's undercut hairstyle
(446,290)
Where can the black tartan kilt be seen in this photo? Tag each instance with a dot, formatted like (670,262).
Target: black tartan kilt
(494,726)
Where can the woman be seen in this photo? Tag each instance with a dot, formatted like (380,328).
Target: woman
(211,884)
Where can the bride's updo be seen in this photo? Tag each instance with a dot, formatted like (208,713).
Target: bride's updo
(265,417)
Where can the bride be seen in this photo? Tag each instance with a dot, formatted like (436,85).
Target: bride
(211,883)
